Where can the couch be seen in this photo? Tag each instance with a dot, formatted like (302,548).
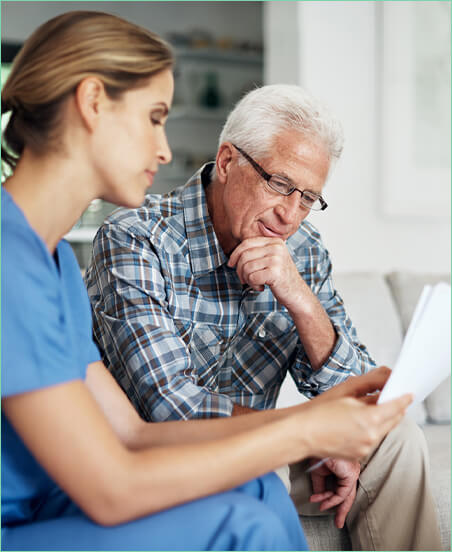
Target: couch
(381,307)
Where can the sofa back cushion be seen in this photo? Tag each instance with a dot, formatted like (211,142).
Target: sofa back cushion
(371,307)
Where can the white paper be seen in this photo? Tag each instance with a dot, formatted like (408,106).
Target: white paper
(424,360)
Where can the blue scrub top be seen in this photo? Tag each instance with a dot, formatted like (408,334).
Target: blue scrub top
(46,336)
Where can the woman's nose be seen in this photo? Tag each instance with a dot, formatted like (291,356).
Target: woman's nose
(164,151)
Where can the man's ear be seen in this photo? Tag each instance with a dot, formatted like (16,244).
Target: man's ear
(89,98)
(224,159)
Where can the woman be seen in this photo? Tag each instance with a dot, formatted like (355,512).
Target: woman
(89,95)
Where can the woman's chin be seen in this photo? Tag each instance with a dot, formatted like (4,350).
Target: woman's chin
(130,201)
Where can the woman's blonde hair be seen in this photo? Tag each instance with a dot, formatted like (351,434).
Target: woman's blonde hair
(60,54)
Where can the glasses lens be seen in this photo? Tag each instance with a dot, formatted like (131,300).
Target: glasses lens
(280,186)
(307,199)
(312,201)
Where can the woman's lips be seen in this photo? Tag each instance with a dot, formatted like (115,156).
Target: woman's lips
(266,231)
(150,176)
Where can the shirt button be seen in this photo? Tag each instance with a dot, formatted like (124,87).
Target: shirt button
(262,333)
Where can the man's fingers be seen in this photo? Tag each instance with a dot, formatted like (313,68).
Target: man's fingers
(247,269)
(331,502)
(245,245)
(318,484)
(343,509)
(320,497)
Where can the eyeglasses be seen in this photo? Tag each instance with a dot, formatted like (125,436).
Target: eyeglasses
(310,200)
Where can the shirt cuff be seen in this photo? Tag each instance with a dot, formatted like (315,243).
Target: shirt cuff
(342,363)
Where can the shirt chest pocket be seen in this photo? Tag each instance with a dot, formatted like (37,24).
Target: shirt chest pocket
(206,347)
(262,353)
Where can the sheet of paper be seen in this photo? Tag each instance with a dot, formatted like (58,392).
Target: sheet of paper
(424,360)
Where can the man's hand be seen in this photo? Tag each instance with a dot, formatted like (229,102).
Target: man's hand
(345,474)
(266,261)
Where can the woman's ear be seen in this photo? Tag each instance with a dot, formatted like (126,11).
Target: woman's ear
(89,98)
(224,158)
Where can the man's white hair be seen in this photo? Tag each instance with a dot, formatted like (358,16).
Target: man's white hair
(265,112)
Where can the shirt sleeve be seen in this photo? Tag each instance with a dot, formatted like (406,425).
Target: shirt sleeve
(36,344)
(349,356)
(141,345)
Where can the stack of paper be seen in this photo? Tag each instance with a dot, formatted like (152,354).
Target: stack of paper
(424,360)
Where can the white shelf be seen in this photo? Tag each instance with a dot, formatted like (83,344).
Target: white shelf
(217,55)
(81,235)
(199,113)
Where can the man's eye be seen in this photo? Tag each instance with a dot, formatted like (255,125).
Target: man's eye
(309,199)
(283,186)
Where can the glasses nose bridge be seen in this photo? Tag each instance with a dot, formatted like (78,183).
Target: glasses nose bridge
(295,204)
(299,191)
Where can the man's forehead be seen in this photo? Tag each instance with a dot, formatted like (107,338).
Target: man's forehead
(294,153)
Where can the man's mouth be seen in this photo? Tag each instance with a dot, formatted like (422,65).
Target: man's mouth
(270,232)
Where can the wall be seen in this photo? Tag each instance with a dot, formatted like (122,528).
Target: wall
(237,20)
(338,59)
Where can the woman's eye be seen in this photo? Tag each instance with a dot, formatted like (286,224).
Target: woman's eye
(157,117)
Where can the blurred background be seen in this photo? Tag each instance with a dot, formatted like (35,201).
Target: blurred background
(382,67)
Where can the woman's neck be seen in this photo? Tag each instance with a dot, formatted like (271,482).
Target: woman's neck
(52,191)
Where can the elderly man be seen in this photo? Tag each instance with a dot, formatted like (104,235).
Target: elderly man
(204,298)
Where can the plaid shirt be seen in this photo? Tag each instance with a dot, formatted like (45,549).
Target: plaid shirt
(178,330)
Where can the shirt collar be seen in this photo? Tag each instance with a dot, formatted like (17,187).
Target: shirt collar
(206,253)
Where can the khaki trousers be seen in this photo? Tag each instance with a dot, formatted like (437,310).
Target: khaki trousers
(394,508)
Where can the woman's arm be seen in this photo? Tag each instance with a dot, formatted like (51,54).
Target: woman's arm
(135,433)
(66,431)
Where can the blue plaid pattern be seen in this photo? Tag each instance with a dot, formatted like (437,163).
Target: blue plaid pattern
(178,330)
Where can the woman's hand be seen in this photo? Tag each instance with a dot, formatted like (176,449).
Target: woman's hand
(344,423)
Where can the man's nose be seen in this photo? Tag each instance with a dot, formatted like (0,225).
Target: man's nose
(290,209)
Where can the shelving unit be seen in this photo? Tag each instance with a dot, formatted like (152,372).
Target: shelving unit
(217,55)
(198,113)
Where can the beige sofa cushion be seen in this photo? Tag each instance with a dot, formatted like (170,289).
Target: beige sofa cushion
(371,307)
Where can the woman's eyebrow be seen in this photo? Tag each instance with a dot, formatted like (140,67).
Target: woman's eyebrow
(160,106)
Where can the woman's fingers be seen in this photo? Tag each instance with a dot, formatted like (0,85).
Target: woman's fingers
(370,382)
